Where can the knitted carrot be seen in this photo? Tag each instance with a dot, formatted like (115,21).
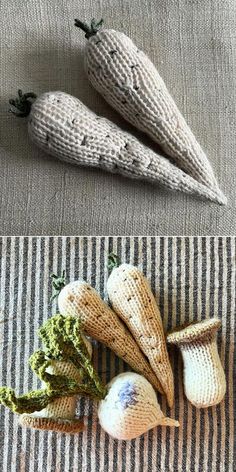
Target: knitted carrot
(133,301)
(129,81)
(64,127)
(101,323)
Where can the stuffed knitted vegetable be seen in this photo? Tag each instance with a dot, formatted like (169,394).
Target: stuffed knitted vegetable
(132,299)
(63,126)
(129,81)
(130,408)
(204,377)
(65,370)
(79,299)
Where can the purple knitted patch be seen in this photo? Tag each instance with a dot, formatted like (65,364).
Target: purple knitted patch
(127,395)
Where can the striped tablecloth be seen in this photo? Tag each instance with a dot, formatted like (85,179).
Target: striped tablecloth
(193,278)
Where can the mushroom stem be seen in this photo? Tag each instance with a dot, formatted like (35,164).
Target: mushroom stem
(204,378)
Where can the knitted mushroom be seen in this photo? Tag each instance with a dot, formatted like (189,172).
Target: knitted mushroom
(204,378)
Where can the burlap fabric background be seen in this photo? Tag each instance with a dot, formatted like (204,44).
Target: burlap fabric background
(191,42)
(192,279)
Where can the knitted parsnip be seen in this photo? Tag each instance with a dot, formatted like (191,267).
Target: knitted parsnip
(133,301)
(130,408)
(66,370)
(129,81)
(63,126)
(60,415)
(204,378)
(101,323)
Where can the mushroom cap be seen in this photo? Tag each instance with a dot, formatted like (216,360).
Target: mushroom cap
(52,424)
(193,331)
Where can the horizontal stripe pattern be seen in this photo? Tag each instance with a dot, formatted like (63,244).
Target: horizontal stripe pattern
(192,279)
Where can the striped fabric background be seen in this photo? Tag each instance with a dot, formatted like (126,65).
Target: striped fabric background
(193,278)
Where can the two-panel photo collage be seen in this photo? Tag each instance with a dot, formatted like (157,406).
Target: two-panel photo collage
(117,236)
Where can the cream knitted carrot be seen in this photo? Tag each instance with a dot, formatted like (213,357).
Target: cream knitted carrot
(63,126)
(100,322)
(129,81)
(133,301)
(204,377)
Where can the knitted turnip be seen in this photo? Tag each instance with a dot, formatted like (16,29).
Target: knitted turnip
(130,407)
(63,126)
(129,81)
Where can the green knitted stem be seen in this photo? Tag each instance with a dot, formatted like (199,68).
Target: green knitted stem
(59,281)
(63,341)
(89,30)
(21,105)
(113,261)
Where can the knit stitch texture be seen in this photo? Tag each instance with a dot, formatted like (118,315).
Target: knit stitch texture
(63,126)
(129,81)
(204,377)
(137,414)
(133,301)
(101,323)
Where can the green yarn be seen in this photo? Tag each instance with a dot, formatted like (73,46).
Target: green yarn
(58,282)
(21,105)
(63,341)
(113,261)
(89,30)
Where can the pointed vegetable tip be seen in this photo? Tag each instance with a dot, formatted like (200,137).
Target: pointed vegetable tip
(21,105)
(90,30)
(168,422)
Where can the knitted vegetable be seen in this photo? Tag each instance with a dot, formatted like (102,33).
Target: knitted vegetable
(129,81)
(130,407)
(204,378)
(65,370)
(133,301)
(62,126)
(100,322)
(127,410)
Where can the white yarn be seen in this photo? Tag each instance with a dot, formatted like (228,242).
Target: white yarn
(204,377)
(130,407)
(64,127)
(129,81)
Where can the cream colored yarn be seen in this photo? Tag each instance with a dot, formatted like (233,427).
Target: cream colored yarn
(204,377)
(130,408)
(63,126)
(60,414)
(129,81)
(101,323)
(133,301)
